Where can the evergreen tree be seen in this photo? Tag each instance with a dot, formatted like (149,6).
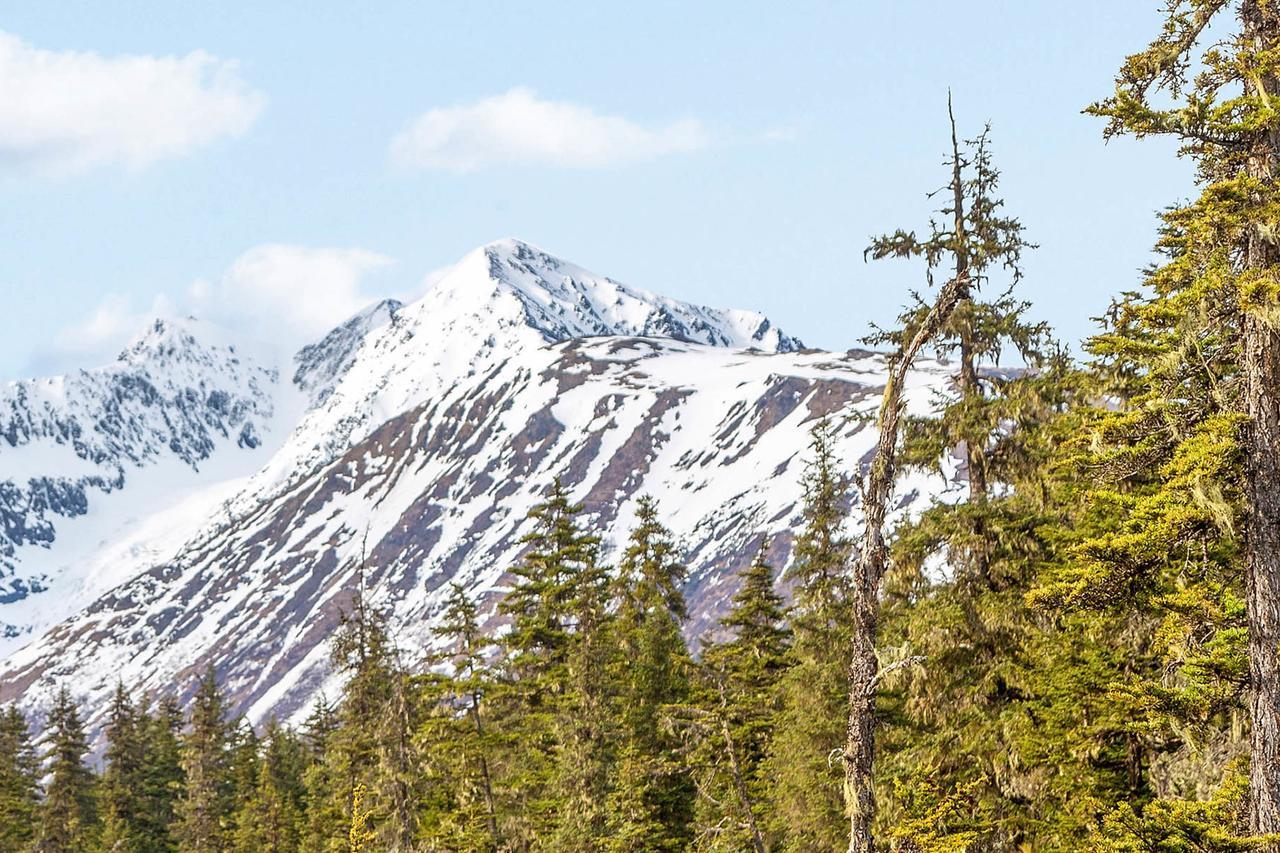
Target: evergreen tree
(457,741)
(367,745)
(585,728)
(957,639)
(733,715)
(325,818)
(270,815)
(550,600)
(872,559)
(805,806)
(163,779)
(650,805)
(122,795)
(398,784)
(242,776)
(1210,323)
(1187,466)
(68,815)
(204,811)
(19,781)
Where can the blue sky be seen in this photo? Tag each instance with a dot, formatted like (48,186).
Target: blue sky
(734,154)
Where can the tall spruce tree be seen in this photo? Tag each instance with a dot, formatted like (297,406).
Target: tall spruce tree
(163,779)
(204,811)
(1224,273)
(555,584)
(458,740)
(368,744)
(325,813)
(872,559)
(269,815)
(951,723)
(731,720)
(585,728)
(122,795)
(1189,464)
(68,815)
(651,803)
(19,781)
(805,806)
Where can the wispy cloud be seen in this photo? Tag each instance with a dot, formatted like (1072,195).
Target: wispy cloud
(67,111)
(519,128)
(281,294)
(288,294)
(98,336)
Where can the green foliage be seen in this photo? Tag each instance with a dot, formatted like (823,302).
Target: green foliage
(19,781)
(204,812)
(554,607)
(729,726)
(122,794)
(68,815)
(460,746)
(651,803)
(271,808)
(368,743)
(805,809)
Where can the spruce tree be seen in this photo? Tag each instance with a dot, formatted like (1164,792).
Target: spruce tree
(122,794)
(460,745)
(68,815)
(955,620)
(163,779)
(1186,461)
(650,806)
(872,559)
(805,805)
(19,781)
(732,717)
(269,816)
(547,605)
(1215,305)
(585,728)
(325,817)
(242,775)
(204,811)
(368,745)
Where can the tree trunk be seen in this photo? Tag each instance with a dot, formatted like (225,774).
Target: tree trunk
(1260,364)
(486,780)
(970,385)
(868,570)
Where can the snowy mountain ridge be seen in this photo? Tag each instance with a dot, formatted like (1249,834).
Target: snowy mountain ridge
(179,394)
(417,437)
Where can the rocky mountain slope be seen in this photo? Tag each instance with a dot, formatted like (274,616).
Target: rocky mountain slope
(412,440)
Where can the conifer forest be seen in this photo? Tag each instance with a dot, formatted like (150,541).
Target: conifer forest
(1079,651)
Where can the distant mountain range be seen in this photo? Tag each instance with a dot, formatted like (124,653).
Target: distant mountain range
(206,501)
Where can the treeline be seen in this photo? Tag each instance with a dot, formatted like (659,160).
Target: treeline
(588,725)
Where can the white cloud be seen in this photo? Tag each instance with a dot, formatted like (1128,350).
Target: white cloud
(287,296)
(96,338)
(67,111)
(519,128)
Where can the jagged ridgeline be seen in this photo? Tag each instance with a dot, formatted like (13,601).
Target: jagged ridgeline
(207,502)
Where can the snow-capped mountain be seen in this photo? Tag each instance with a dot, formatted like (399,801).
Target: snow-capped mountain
(412,439)
(184,407)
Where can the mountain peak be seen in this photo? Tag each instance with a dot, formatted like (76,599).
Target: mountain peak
(178,340)
(321,364)
(563,300)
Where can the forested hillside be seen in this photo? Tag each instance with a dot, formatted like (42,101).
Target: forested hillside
(1080,650)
